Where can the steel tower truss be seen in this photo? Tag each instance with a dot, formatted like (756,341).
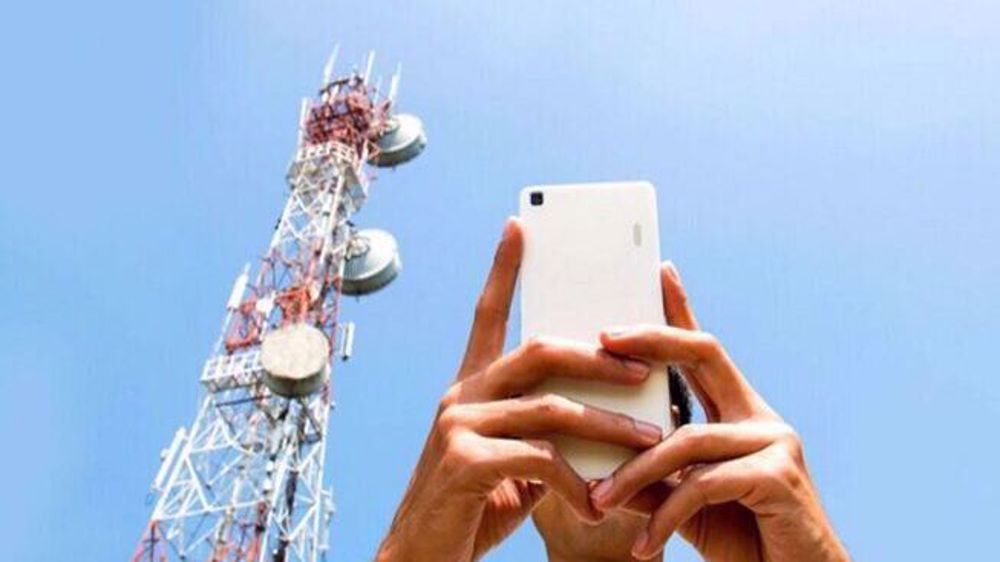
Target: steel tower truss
(245,481)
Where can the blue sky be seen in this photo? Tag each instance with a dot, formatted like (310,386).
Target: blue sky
(828,183)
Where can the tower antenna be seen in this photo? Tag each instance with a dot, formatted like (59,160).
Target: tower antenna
(244,482)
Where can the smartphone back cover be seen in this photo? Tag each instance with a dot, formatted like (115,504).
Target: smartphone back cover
(591,261)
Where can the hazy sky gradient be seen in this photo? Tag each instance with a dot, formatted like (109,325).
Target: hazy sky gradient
(828,176)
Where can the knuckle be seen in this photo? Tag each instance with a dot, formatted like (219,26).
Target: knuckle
(538,350)
(449,399)
(781,472)
(684,433)
(709,345)
(688,437)
(460,451)
(701,482)
(792,443)
(485,309)
(536,345)
(551,405)
(449,419)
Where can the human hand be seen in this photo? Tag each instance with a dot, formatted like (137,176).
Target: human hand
(737,487)
(486,462)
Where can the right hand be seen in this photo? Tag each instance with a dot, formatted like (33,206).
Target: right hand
(486,462)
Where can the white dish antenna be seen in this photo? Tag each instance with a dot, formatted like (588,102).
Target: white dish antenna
(403,140)
(372,262)
(295,360)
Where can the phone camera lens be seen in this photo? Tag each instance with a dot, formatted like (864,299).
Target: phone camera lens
(537,198)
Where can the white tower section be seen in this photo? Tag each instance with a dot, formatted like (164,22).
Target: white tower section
(245,481)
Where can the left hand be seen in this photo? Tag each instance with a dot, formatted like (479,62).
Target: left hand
(487,461)
(737,487)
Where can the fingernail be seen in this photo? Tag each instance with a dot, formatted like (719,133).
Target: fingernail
(508,225)
(615,331)
(601,492)
(672,271)
(504,235)
(649,431)
(636,366)
(639,548)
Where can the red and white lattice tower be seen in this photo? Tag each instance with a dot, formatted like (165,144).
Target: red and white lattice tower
(245,481)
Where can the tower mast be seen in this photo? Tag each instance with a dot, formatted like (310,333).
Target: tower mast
(244,482)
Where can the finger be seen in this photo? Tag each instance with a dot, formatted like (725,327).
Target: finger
(689,445)
(512,500)
(543,358)
(708,485)
(489,326)
(531,492)
(648,499)
(677,309)
(676,306)
(539,460)
(706,364)
(541,415)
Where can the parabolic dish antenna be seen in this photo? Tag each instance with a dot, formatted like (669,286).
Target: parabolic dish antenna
(372,262)
(295,359)
(402,141)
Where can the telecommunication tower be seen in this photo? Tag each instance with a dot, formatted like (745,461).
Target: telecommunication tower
(244,482)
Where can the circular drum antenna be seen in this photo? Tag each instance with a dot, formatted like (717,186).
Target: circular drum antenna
(401,142)
(372,262)
(295,360)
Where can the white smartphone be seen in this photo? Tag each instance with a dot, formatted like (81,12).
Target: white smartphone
(591,261)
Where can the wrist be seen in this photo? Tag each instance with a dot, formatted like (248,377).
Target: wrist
(396,547)
(399,544)
(391,549)
(806,536)
(418,534)
(834,549)
(829,547)
(393,545)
